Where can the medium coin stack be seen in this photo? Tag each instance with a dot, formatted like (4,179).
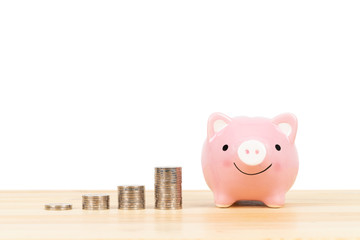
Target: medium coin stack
(95,201)
(131,197)
(168,188)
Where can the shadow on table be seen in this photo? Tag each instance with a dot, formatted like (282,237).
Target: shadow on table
(248,203)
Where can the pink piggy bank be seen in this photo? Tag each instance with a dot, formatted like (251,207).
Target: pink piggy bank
(250,158)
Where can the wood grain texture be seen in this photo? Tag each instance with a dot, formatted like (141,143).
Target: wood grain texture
(306,215)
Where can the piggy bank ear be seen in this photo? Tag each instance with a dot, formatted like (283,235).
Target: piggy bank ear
(216,122)
(287,124)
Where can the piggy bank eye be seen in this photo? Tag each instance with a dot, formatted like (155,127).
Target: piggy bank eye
(277,146)
(225,147)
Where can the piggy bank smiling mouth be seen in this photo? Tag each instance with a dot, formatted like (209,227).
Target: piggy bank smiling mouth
(251,174)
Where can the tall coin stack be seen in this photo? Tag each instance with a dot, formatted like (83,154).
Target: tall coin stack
(95,201)
(131,197)
(168,188)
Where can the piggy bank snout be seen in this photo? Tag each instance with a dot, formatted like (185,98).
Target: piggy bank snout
(252,152)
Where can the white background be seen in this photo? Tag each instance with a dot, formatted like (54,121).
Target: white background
(95,94)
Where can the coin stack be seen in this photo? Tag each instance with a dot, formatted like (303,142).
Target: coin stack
(58,206)
(168,188)
(95,201)
(131,197)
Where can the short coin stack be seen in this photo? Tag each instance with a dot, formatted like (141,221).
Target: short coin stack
(58,206)
(95,201)
(168,188)
(131,197)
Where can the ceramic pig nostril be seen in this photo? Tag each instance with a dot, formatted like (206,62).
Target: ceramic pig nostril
(247,151)
(257,151)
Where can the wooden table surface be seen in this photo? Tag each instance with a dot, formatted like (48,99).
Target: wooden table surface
(306,215)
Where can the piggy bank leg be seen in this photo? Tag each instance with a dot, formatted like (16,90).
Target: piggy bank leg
(223,200)
(275,201)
